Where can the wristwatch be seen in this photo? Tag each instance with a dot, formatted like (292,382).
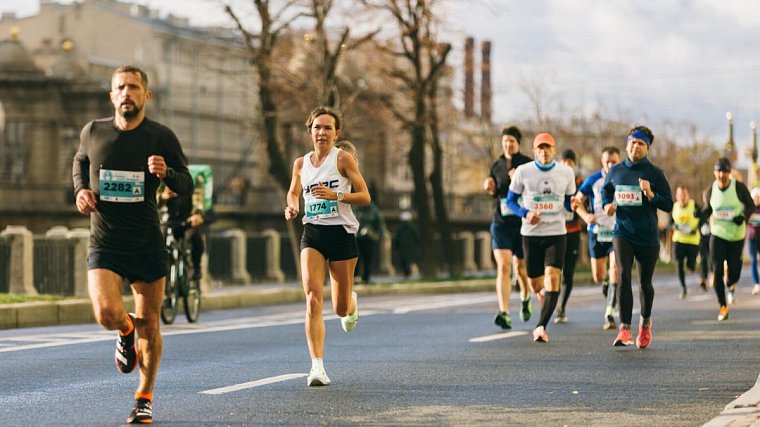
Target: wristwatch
(170,173)
(340,196)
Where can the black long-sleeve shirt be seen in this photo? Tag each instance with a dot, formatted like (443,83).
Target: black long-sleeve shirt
(120,224)
(500,174)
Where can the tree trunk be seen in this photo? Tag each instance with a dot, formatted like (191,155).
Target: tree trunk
(427,264)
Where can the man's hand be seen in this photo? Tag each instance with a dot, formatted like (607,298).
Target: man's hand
(86,202)
(533,217)
(489,185)
(610,209)
(589,218)
(194,220)
(157,166)
(290,213)
(646,188)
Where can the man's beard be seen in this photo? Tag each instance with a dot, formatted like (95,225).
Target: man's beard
(130,114)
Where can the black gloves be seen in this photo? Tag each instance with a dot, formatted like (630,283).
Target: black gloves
(738,219)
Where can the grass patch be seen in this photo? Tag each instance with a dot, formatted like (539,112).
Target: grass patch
(12,298)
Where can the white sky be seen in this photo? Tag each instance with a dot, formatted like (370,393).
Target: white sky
(683,61)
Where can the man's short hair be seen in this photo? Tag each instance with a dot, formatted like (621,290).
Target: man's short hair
(132,69)
(611,150)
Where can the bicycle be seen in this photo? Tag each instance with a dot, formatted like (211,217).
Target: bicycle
(178,281)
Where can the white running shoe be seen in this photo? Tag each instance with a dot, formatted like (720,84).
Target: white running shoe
(731,297)
(756,289)
(349,322)
(317,377)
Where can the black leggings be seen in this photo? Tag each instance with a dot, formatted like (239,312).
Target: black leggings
(646,259)
(722,250)
(704,255)
(685,254)
(571,256)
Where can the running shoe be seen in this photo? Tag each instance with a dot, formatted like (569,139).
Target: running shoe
(723,313)
(731,295)
(684,293)
(561,316)
(756,289)
(624,337)
(503,320)
(126,349)
(645,336)
(317,377)
(142,413)
(703,285)
(526,311)
(539,334)
(349,322)
(609,323)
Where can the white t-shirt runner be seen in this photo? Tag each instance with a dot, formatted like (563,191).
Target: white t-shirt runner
(326,212)
(544,191)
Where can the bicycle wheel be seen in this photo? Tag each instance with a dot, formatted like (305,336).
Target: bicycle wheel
(169,307)
(192,300)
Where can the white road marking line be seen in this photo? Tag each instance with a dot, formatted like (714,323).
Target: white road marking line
(443,304)
(499,336)
(251,384)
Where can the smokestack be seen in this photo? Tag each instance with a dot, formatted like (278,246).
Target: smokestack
(469,83)
(485,81)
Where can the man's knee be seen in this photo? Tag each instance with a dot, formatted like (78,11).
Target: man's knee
(109,317)
(313,303)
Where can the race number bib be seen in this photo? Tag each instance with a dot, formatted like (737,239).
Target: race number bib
(628,195)
(683,227)
(548,205)
(724,214)
(504,210)
(604,234)
(319,209)
(122,186)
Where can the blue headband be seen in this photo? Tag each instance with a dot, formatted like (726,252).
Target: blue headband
(638,134)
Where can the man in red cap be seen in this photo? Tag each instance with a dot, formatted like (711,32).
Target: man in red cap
(546,188)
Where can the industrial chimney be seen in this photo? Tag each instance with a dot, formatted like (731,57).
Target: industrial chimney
(485,81)
(469,83)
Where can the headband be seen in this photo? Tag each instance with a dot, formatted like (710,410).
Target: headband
(639,134)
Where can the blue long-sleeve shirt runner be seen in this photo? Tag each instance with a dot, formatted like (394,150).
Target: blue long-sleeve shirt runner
(638,224)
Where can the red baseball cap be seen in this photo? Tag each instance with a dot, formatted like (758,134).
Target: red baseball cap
(543,138)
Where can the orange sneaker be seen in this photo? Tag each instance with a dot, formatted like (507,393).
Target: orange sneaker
(723,314)
(624,337)
(645,337)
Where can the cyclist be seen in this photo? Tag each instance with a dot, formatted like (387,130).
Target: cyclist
(188,209)
(331,183)
(120,163)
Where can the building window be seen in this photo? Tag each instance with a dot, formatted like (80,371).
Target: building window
(13,153)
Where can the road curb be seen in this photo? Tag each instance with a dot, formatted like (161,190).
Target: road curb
(744,411)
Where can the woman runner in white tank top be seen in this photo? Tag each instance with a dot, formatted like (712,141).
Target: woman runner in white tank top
(326,177)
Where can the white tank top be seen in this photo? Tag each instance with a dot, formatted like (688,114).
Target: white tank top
(326,212)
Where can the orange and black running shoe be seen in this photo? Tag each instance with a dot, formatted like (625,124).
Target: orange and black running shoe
(126,349)
(142,413)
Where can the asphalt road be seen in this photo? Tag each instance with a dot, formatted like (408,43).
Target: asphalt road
(415,360)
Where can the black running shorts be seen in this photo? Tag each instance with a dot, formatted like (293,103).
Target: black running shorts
(543,251)
(145,267)
(332,241)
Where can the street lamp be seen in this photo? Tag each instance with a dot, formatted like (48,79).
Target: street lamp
(752,173)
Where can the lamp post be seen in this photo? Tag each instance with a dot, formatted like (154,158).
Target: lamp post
(730,149)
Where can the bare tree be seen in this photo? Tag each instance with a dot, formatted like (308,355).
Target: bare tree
(261,46)
(329,57)
(424,59)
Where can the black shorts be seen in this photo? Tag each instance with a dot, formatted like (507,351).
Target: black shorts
(597,249)
(505,236)
(332,241)
(145,267)
(542,252)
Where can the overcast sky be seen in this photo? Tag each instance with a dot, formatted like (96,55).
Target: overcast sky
(684,61)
